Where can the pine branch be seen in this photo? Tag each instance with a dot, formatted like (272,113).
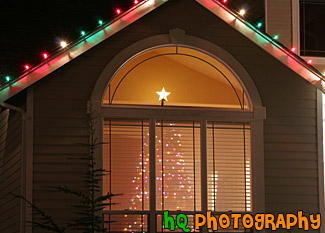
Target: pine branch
(91,205)
(79,194)
(48,222)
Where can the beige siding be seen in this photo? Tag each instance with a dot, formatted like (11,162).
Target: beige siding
(60,122)
(278,20)
(10,169)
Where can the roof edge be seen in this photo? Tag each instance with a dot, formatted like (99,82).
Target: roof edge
(74,50)
(280,52)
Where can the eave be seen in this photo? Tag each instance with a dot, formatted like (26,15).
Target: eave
(102,33)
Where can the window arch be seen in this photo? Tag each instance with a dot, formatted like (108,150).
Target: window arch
(194,79)
(132,125)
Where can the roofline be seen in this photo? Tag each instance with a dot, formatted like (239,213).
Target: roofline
(74,50)
(77,48)
(276,49)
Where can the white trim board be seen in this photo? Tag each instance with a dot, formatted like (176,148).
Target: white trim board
(320,145)
(295,25)
(233,19)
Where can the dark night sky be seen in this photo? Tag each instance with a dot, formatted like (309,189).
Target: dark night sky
(29,28)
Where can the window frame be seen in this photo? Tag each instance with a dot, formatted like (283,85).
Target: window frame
(201,115)
(176,36)
(295,6)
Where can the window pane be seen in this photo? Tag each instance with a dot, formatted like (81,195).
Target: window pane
(312,35)
(178,169)
(209,83)
(127,161)
(178,166)
(229,167)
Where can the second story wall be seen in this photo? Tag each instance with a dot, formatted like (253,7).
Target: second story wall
(279,20)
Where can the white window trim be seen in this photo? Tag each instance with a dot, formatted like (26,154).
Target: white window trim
(295,25)
(320,142)
(166,113)
(296,34)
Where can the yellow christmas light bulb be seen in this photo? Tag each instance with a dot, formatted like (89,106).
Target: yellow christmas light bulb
(63,44)
(242,12)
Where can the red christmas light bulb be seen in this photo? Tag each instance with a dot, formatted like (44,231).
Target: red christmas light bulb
(118,11)
(225,1)
(293,49)
(136,1)
(45,55)
(26,67)
(310,61)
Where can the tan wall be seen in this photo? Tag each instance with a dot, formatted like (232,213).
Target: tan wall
(60,123)
(10,170)
(279,20)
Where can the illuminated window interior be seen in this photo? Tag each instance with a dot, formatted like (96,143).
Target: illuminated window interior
(178,169)
(193,78)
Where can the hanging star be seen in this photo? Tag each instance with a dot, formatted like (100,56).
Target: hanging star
(163,94)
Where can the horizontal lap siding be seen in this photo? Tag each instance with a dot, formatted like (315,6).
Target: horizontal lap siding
(61,126)
(279,20)
(60,119)
(10,170)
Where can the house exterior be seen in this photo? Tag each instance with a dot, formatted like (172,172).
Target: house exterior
(241,131)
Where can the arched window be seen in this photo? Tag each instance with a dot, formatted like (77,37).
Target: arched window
(192,77)
(189,152)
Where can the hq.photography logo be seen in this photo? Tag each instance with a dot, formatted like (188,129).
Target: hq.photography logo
(239,221)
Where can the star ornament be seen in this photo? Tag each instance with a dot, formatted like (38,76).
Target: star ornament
(163,94)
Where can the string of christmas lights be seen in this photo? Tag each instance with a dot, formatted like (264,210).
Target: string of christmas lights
(118,11)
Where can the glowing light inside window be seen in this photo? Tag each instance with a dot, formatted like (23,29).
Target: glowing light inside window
(182,69)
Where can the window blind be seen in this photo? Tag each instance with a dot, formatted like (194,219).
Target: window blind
(178,166)
(126,159)
(178,169)
(229,176)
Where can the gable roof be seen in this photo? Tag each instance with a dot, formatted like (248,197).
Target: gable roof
(79,47)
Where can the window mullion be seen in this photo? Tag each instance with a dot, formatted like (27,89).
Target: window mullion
(142,173)
(152,173)
(245,176)
(204,168)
